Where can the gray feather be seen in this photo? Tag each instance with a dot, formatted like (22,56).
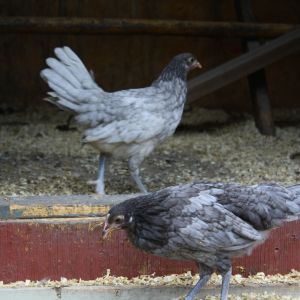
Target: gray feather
(208,222)
(126,124)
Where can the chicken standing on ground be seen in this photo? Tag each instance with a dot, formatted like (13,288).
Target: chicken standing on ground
(126,124)
(209,223)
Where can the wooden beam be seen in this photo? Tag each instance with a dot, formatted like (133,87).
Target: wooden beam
(62,25)
(243,65)
(257,81)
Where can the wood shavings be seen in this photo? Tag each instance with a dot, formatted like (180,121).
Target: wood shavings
(185,279)
(36,158)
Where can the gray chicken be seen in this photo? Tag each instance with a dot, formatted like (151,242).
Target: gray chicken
(209,223)
(126,124)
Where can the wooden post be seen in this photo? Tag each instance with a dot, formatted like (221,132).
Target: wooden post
(257,81)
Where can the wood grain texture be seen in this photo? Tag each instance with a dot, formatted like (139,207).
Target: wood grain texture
(254,60)
(131,61)
(52,249)
(257,81)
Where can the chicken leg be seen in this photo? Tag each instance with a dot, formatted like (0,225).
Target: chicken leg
(225,284)
(205,274)
(100,185)
(135,174)
(99,182)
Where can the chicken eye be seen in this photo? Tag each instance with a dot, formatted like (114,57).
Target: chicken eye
(118,220)
(191,60)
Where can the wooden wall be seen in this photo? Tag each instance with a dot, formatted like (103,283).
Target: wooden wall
(37,250)
(123,61)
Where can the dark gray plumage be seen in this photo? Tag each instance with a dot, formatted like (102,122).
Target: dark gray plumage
(208,223)
(126,124)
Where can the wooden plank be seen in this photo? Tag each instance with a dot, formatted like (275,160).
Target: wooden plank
(44,249)
(33,207)
(61,25)
(243,65)
(257,81)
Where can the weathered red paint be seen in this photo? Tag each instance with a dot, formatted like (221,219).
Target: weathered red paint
(37,251)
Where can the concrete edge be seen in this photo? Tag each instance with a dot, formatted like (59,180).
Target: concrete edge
(4,208)
(136,292)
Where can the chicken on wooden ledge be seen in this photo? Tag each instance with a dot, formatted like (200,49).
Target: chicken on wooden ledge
(126,124)
(209,223)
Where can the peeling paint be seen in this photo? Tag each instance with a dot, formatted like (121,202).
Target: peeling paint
(72,248)
(40,211)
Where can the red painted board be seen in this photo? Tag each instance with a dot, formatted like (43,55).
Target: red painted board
(36,251)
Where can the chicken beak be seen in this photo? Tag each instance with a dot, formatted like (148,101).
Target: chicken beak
(196,64)
(108,229)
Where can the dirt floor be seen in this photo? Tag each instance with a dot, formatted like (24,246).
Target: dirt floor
(38,155)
